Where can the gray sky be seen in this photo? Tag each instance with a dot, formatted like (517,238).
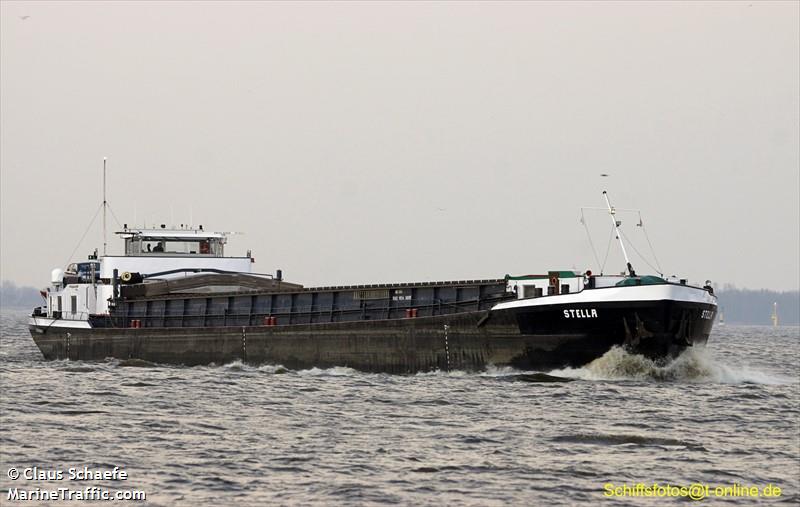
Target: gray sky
(359,143)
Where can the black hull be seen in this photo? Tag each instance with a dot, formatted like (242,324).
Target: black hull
(539,338)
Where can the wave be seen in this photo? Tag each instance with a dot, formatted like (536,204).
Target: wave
(693,365)
(137,363)
(441,373)
(500,371)
(277,369)
(238,365)
(335,371)
(273,369)
(626,440)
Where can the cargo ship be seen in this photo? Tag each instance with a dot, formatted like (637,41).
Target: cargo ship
(174,297)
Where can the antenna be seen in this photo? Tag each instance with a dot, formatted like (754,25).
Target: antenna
(612,212)
(105,205)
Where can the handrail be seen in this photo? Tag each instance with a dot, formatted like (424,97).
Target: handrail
(83,316)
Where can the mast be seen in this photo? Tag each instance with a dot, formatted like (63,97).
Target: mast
(105,205)
(617,223)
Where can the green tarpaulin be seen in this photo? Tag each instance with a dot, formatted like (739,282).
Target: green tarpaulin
(641,280)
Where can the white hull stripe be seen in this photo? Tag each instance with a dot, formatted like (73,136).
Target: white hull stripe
(619,294)
(58,323)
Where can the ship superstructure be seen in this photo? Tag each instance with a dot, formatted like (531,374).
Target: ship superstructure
(88,289)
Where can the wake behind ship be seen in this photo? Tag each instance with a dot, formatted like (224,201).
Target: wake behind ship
(174,297)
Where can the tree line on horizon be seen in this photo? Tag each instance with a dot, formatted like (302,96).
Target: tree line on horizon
(738,306)
(14,296)
(748,306)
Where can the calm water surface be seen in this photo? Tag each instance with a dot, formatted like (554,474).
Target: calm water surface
(266,436)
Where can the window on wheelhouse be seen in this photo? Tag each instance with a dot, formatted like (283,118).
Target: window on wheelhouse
(165,246)
(82,272)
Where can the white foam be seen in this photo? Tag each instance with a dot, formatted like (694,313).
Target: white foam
(442,373)
(272,368)
(500,371)
(336,371)
(236,365)
(693,365)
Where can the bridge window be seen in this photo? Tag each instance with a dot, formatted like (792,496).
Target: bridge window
(143,245)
